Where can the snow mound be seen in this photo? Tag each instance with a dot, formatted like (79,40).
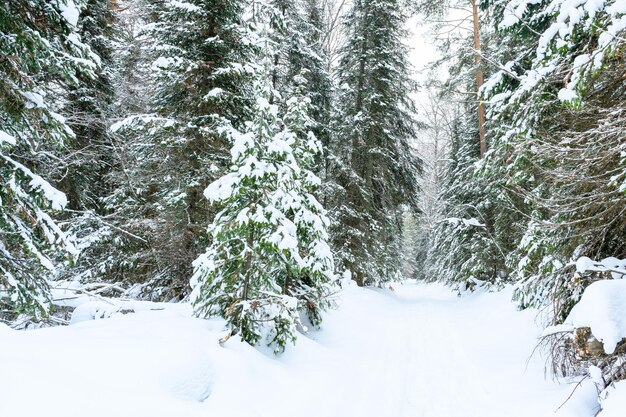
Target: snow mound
(93,310)
(189,374)
(614,404)
(603,309)
(88,309)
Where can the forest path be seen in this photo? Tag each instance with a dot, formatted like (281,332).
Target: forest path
(421,351)
(417,351)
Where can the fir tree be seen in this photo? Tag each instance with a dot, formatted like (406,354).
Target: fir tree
(40,55)
(373,164)
(196,76)
(554,86)
(89,151)
(269,258)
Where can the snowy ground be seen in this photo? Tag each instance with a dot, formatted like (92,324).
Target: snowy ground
(418,351)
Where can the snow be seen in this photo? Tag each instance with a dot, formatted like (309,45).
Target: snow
(602,308)
(567,16)
(74,39)
(57,199)
(566,94)
(6,138)
(615,402)
(34,100)
(215,92)
(135,120)
(222,188)
(69,11)
(466,222)
(583,264)
(416,350)
(559,328)
(514,11)
(595,374)
(611,34)
(90,307)
(162,63)
(185,6)
(617,267)
(619,7)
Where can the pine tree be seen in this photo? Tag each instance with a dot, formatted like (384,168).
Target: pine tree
(269,258)
(373,163)
(40,56)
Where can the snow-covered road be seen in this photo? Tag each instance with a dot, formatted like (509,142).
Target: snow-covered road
(418,351)
(421,351)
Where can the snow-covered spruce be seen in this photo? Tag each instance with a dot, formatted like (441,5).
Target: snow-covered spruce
(269,259)
(373,169)
(556,118)
(36,35)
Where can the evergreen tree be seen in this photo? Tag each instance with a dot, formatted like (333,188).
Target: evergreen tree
(558,90)
(483,220)
(197,77)
(373,163)
(308,58)
(463,248)
(40,56)
(441,117)
(89,158)
(296,33)
(557,120)
(269,258)
(89,154)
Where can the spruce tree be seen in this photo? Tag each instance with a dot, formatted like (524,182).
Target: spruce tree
(463,248)
(269,259)
(482,221)
(308,59)
(40,56)
(193,67)
(373,164)
(297,37)
(90,157)
(89,153)
(552,102)
(557,117)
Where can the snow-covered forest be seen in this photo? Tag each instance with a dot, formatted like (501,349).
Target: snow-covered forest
(325,208)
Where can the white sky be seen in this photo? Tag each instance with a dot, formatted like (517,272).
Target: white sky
(423,50)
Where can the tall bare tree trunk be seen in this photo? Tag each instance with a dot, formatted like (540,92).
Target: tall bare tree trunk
(480,79)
